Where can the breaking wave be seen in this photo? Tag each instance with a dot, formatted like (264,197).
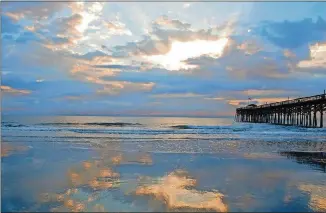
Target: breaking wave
(112,124)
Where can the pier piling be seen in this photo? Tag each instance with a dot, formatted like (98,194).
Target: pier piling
(297,112)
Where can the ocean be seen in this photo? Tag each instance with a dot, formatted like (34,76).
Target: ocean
(151,164)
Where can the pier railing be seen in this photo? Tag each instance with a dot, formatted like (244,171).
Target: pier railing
(297,112)
(292,101)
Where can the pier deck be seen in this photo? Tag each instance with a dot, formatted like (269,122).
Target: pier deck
(305,112)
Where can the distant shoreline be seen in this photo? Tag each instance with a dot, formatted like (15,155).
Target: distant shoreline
(160,116)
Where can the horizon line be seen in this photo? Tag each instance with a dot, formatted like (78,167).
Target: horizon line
(115,115)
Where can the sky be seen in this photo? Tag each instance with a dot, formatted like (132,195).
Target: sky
(158,58)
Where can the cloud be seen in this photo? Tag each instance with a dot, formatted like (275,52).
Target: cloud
(259,101)
(169,48)
(176,95)
(215,98)
(116,87)
(39,80)
(249,47)
(73,98)
(289,54)
(259,65)
(117,28)
(67,26)
(13,91)
(97,28)
(264,92)
(93,50)
(8,26)
(159,41)
(98,68)
(166,22)
(186,5)
(181,51)
(63,33)
(56,30)
(143,55)
(317,57)
(33,10)
(293,34)
(240,63)
(15,16)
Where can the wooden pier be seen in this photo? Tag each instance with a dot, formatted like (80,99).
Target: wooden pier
(304,112)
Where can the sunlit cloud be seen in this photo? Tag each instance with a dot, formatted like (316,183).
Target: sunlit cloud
(39,80)
(186,5)
(178,95)
(156,54)
(181,51)
(249,47)
(317,57)
(118,28)
(41,11)
(89,12)
(116,87)
(10,90)
(165,21)
(15,16)
(243,102)
(73,98)
(215,98)
(264,92)
(288,53)
(31,28)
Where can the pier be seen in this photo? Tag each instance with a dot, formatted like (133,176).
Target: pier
(305,112)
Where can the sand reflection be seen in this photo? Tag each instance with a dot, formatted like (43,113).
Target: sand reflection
(173,189)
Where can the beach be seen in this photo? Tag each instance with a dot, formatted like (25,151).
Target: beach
(151,164)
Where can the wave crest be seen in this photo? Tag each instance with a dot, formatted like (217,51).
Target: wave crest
(112,124)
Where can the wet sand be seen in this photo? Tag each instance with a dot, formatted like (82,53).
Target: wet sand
(118,175)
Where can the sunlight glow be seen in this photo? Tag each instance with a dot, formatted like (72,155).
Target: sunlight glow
(87,18)
(181,51)
(90,13)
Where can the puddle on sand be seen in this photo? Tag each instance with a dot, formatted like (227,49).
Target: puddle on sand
(173,189)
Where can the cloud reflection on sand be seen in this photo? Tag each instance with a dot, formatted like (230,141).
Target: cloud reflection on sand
(110,154)
(132,158)
(95,175)
(66,201)
(317,196)
(261,156)
(174,190)
(9,149)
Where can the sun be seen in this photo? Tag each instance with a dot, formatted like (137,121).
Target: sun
(181,51)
